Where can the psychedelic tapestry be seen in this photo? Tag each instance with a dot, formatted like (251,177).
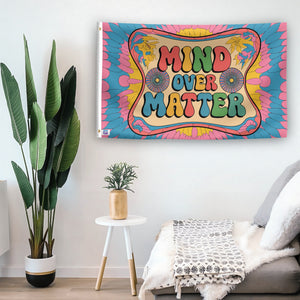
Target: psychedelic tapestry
(192,82)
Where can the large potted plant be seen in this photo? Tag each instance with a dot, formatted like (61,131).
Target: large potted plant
(120,179)
(53,144)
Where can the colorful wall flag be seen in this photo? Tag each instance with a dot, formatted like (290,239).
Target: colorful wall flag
(192,81)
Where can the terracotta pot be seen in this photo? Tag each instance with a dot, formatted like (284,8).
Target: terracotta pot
(40,272)
(118,204)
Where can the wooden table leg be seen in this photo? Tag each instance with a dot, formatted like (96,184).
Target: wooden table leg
(130,260)
(104,258)
(132,277)
(134,269)
(135,278)
(100,274)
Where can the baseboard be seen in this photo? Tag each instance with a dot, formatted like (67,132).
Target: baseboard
(75,272)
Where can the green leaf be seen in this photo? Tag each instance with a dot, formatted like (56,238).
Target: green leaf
(51,197)
(30,87)
(53,94)
(52,124)
(38,137)
(68,90)
(24,185)
(45,172)
(62,178)
(13,100)
(65,153)
(50,194)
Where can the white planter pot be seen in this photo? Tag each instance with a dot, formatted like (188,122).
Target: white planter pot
(40,272)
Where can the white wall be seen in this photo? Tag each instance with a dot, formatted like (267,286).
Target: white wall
(177,179)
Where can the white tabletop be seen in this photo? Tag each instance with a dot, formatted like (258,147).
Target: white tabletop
(130,221)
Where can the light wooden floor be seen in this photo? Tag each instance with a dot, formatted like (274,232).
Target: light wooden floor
(68,288)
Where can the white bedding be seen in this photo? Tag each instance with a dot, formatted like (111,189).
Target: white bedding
(158,272)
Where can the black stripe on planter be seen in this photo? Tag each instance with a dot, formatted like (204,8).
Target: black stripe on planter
(40,279)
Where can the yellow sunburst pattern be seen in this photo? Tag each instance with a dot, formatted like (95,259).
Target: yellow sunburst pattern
(147,47)
(238,44)
(254,88)
(194,32)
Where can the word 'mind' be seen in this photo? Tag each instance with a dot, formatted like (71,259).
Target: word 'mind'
(202,59)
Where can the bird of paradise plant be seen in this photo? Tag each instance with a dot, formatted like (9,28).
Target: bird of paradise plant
(53,144)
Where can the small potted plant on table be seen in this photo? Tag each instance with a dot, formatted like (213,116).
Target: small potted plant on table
(121,178)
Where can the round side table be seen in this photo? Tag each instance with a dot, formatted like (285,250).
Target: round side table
(126,223)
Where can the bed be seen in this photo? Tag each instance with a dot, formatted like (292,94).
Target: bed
(269,247)
(269,273)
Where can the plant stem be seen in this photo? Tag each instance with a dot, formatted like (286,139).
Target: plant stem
(53,218)
(34,209)
(26,212)
(43,198)
(28,223)
(49,231)
(23,155)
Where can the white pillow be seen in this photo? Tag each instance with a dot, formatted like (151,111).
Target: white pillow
(284,223)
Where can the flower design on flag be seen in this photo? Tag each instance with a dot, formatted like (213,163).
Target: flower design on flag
(231,80)
(157,81)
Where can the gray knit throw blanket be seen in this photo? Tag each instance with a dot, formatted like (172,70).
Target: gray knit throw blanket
(206,253)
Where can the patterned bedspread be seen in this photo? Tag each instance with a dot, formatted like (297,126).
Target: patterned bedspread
(159,270)
(205,252)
